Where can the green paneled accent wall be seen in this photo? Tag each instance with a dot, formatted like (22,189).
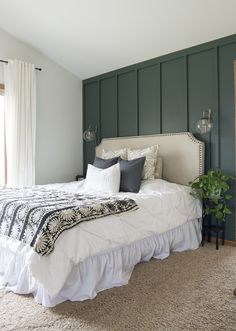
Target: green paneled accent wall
(127,104)
(226,117)
(108,101)
(149,100)
(91,112)
(173,100)
(169,94)
(201,94)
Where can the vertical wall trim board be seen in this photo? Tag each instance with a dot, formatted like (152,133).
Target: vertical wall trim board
(161,126)
(98,139)
(117,104)
(210,151)
(234,66)
(137,81)
(186,91)
(218,103)
(84,147)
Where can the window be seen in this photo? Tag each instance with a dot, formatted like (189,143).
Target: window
(2,139)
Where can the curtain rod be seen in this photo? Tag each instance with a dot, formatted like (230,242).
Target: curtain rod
(39,69)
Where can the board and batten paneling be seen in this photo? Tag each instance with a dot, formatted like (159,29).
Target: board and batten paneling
(127,104)
(227,55)
(149,100)
(169,94)
(201,94)
(91,116)
(108,103)
(173,100)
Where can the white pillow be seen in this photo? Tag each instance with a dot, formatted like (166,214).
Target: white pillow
(103,180)
(150,163)
(119,152)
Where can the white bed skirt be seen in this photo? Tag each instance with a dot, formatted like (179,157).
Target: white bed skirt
(98,272)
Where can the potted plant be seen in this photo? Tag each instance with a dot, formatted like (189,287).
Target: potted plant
(212,188)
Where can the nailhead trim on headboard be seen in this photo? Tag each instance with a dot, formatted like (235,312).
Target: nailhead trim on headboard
(188,134)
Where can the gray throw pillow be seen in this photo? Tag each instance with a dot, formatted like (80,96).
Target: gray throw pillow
(105,163)
(131,174)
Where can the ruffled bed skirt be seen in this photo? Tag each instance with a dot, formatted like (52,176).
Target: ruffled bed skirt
(96,273)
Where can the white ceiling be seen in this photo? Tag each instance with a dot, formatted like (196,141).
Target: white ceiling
(90,37)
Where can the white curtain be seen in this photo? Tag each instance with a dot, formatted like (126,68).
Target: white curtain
(2,141)
(20,113)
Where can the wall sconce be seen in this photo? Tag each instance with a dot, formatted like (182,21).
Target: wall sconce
(205,124)
(90,134)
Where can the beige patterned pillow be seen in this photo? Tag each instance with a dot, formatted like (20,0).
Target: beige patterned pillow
(158,167)
(119,152)
(150,163)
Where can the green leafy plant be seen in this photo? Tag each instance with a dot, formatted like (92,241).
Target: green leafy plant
(212,189)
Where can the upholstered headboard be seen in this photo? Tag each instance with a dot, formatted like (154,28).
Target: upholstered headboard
(182,153)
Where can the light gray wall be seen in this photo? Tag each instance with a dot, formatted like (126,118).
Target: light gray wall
(59,154)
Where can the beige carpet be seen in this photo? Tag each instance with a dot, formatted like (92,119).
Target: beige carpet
(187,291)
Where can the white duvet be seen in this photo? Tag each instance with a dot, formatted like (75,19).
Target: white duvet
(162,206)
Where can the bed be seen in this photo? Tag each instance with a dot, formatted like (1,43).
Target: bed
(102,253)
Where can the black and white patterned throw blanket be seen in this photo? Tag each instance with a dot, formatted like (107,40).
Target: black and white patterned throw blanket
(37,216)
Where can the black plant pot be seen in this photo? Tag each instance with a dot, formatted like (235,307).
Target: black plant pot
(210,204)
